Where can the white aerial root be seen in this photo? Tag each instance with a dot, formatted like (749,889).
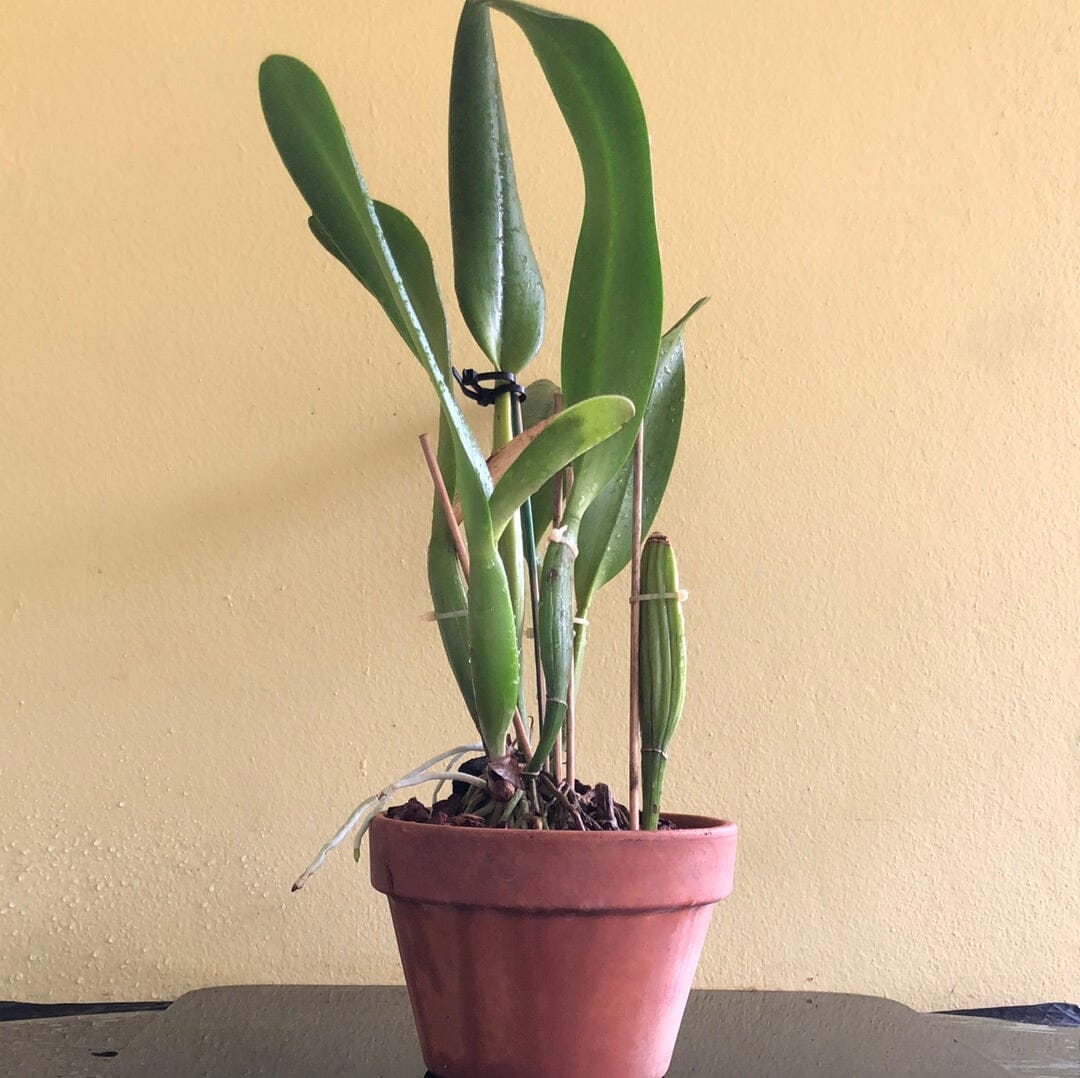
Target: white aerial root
(414,777)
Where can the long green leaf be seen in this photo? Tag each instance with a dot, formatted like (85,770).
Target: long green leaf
(493,645)
(448,597)
(604,536)
(496,276)
(611,333)
(413,258)
(448,594)
(309,137)
(311,141)
(569,434)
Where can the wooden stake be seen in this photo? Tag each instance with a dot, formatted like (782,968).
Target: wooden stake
(556,521)
(522,735)
(571,745)
(528,537)
(445,504)
(635,620)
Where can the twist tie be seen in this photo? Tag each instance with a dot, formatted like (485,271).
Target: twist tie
(434,615)
(504,382)
(682,595)
(656,752)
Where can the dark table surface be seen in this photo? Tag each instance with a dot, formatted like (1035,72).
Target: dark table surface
(367,1031)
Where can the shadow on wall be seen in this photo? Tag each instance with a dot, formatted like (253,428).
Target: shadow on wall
(158,532)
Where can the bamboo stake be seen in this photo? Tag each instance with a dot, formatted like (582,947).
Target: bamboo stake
(522,734)
(528,530)
(447,507)
(571,741)
(635,619)
(556,521)
(445,504)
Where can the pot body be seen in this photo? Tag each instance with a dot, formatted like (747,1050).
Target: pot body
(550,954)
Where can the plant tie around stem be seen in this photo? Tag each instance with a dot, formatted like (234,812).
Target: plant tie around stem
(558,535)
(682,595)
(504,382)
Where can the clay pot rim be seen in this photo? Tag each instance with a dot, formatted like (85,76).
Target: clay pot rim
(543,871)
(691,826)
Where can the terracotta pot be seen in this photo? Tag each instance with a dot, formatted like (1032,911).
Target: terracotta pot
(552,954)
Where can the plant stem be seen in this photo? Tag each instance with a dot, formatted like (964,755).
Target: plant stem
(635,643)
(528,536)
(510,543)
(512,804)
(653,765)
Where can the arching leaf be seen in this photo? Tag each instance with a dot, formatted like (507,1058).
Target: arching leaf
(496,276)
(611,333)
(562,439)
(604,536)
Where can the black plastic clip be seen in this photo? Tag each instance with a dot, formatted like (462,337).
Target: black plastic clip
(470,382)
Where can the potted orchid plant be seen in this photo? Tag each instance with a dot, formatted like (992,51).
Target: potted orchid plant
(505,891)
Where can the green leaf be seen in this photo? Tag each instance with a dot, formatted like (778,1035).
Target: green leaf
(539,402)
(611,333)
(566,437)
(312,144)
(448,598)
(496,276)
(493,644)
(311,141)
(604,536)
(555,631)
(413,258)
(448,591)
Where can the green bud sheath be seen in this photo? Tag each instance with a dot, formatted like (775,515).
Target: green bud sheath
(556,632)
(661,668)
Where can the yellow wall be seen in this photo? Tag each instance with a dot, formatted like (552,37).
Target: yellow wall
(212,533)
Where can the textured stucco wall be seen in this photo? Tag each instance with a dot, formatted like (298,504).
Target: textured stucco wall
(212,533)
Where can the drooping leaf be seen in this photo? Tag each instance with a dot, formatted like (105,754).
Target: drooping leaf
(311,141)
(448,593)
(496,276)
(562,439)
(493,644)
(413,258)
(448,589)
(604,536)
(611,333)
(448,597)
